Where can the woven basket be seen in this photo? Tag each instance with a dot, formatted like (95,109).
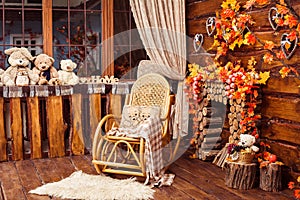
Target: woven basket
(246,157)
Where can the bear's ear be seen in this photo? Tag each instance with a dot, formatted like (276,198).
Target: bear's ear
(62,62)
(11,50)
(52,59)
(74,65)
(26,53)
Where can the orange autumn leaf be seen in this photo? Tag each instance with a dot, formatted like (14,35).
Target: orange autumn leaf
(298,179)
(284,71)
(268,58)
(280,55)
(291,185)
(297,193)
(269,45)
(264,164)
(282,9)
(249,4)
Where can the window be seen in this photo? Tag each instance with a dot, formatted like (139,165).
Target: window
(73,29)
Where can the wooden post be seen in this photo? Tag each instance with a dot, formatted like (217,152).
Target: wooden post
(107,40)
(47,27)
(95,112)
(56,126)
(34,127)
(3,140)
(16,128)
(77,141)
(270,178)
(240,175)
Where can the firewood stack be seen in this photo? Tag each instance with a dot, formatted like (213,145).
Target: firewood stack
(209,120)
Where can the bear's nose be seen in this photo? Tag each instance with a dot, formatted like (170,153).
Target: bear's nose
(20,61)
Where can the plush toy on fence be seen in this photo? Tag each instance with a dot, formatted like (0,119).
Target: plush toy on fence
(246,144)
(19,73)
(44,68)
(66,74)
(1,73)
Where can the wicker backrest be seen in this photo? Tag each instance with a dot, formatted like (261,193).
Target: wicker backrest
(151,90)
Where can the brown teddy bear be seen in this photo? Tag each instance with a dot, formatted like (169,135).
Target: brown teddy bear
(19,59)
(43,66)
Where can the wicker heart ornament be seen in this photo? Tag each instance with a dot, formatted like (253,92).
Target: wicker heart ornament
(288,47)
(198,41)
(210,25)
(273,16)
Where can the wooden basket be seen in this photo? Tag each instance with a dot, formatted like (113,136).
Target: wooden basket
(246,157)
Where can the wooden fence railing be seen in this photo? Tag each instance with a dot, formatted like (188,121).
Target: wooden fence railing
(53,121)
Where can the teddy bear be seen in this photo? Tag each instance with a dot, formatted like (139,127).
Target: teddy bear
(1,73)
(246,143)
(66,74)
(19,73)
(43,67)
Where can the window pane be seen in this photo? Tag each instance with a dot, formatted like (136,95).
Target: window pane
(93,23)
(13,24)
(60,27)
(77,32)
(93,5)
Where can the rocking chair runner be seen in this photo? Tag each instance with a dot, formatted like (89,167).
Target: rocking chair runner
(126,154)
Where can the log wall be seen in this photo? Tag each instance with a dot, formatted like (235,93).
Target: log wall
(281,97)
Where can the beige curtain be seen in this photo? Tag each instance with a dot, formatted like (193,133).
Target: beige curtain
(161,25)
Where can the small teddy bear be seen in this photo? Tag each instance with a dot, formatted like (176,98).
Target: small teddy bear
(48,75)
(1,73)
(19,59)
(66,74)
(246,143)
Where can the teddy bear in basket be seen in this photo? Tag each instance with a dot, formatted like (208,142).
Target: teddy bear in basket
(43,67)
(66,74)
(19,73)
(245,147)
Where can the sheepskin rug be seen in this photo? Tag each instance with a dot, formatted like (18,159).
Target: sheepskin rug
(80,185)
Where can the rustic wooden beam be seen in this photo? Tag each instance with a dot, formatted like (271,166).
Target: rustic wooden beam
(3,140)
(16,128)
(34,127)
(95,112)
(47,27)
(55,126)
(77,141)
(107,37)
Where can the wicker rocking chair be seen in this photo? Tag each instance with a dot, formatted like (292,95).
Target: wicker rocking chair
(126,154)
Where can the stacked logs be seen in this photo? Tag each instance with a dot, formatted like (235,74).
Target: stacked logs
(209,120)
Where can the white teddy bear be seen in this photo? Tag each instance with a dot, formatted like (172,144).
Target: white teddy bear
(246,143)
(66,74)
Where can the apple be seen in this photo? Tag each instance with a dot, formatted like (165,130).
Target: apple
(272,158)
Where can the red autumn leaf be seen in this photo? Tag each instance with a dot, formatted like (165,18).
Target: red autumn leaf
(291,185)
(292,36)
(279,21)
(250,38)
(297,193)
(227,13)
(290,20)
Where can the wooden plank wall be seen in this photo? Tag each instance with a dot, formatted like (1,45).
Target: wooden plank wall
(281,97)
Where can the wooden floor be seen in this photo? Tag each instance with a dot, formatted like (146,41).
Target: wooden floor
(195,179)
